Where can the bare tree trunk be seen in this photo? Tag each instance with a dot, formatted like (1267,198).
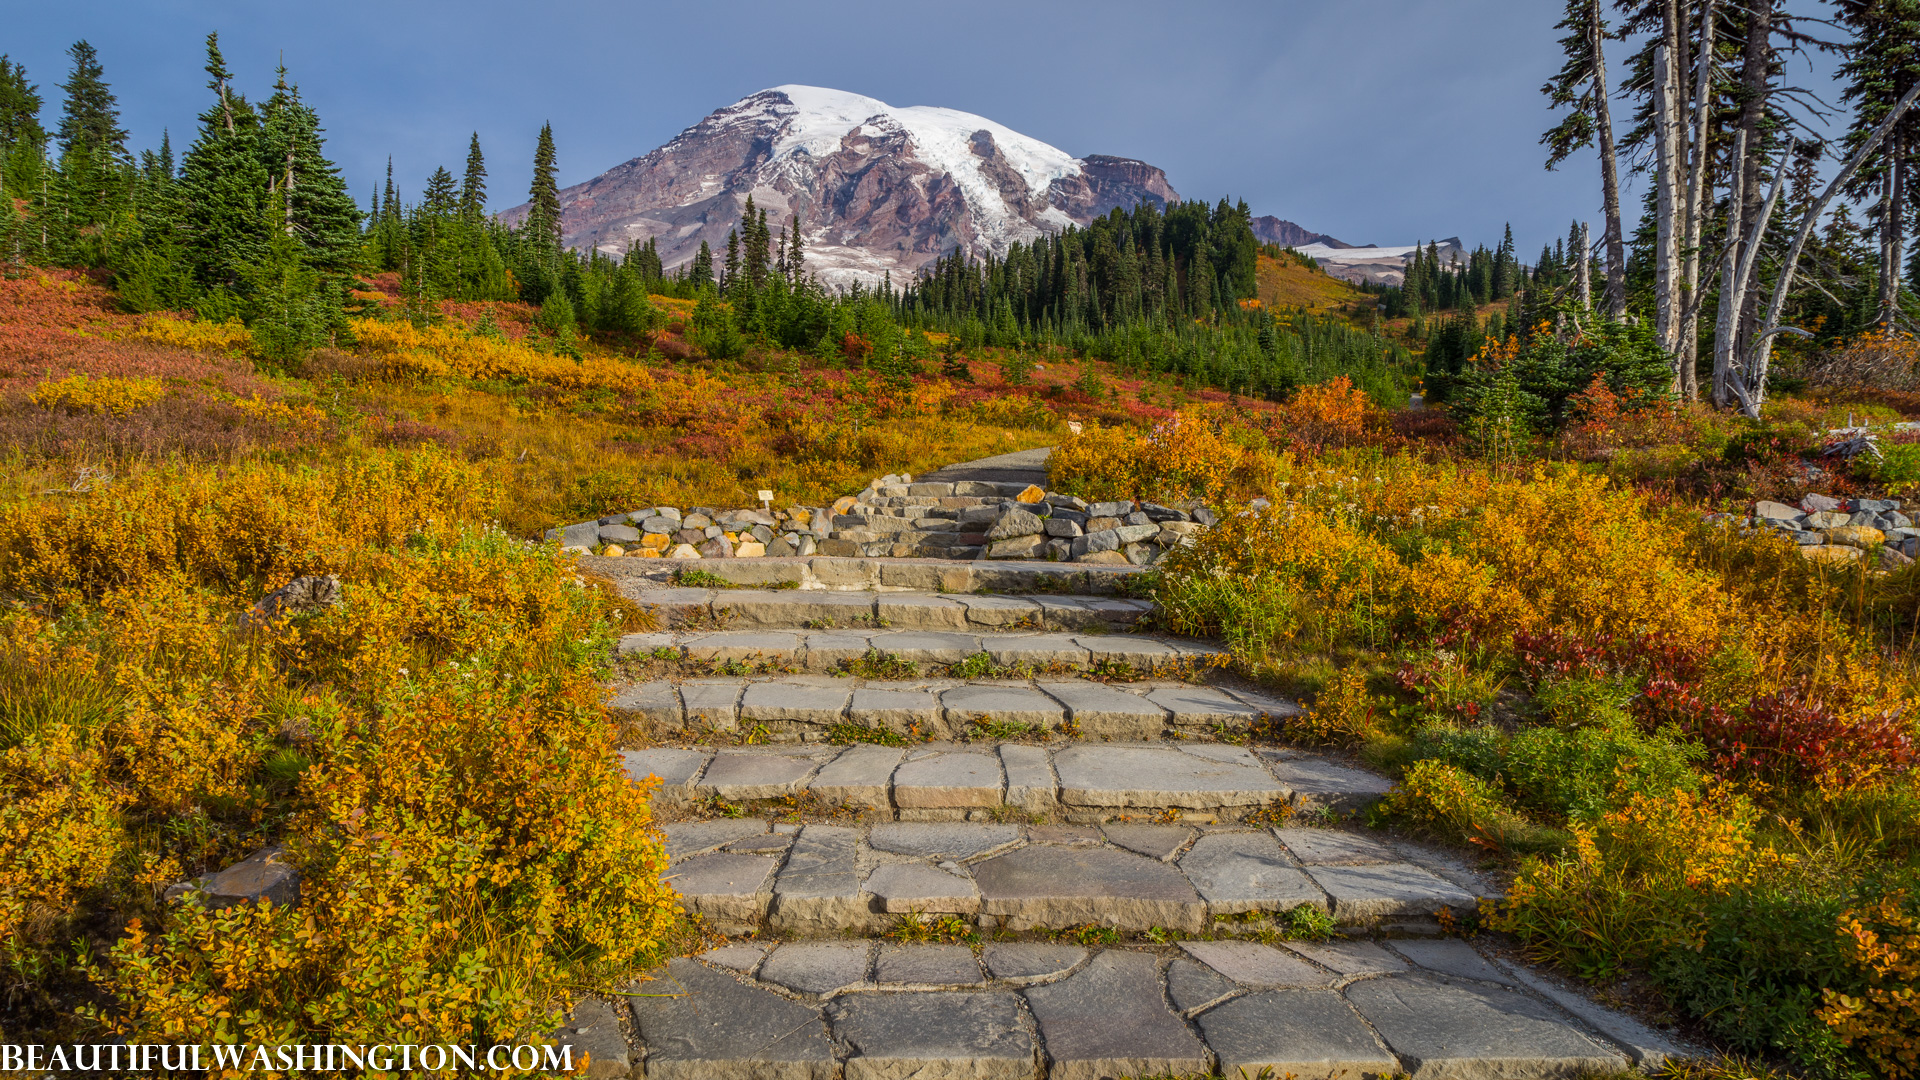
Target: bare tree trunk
(1893,222)
(1756,70)
(1754,393)
(1586,269)
(1697,192)
(1733,291)
(1609,174)
(1666,236)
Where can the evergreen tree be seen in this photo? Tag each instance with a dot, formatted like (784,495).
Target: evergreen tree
(732,278)
(19,108)
(700,273)
(315,207)
(90,117)
(225,229)
(543,216)
(796,254)
(473,188)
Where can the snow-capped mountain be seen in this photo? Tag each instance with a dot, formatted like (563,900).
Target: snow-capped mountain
(878,188)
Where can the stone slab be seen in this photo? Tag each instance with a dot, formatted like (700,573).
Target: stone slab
(675,768)
(927,965)
(967,706)
(594,1034)
(1334,847)
(721,1028)
(795,607)
(794,701)
(1203,706)
(713,703)
(1001,612)
(927,647)
(1309,1034)
(742,645)
(1323,783)
(1239,872)
(818,890)
(1064,835)
(946,781)
(941,841)
(897,710)
(934,1036)
(685,838)
(913,611)
(742,957)
(1121,776)
(1039,651)
(1030,783)
(1464,1032)
(913,887)
(1451,956)
(860,778)
(1025,962)
(733,775)
(818,967)
(1192,985)
(730,890)
(1100,711)
(1055,887)
(1161,842)
(828,649)
(1260,967)
(654,702)
(1349,958)
(1647,1047)
(1380,890)
(1142,653)
(1108,1020)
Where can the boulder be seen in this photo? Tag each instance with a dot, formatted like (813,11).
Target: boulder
(781,548)
(1094,542)
(716,548)
(1141,554)
(658,524)
(1062,528)
(1068,502)
(1058,550)
(1104,558)
(1858,536)
(1018,547)
(613,551)
(1110,509)
(1133,534)
(1033,493)
(1814,503)
(1828,519)
(695,521)
(308,593)
(1157,513)
(656,541)
(1101,523)
(1832,553)
(1773,511)
(1016,522)
(1205,516)
(684,551)
(619,534)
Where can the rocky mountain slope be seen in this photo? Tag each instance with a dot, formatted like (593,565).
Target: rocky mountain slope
(880,189)
(1272,230)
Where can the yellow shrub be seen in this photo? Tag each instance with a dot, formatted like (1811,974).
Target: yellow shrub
(105,395)
(1343,714)
(1184,457)
(231,337)
(441,352)
(1703,842)
(1883,1022)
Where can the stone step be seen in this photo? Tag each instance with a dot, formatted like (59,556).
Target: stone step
(1070,781)
(823,610)
(1029,1010)
(859,573)
(1130,877)
(817,708)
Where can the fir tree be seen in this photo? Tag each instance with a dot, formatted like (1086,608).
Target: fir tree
(224,225)
(19,108)
(732,278)
(473,188)
(90,117)
(315,207)
(700,273)
(543,216)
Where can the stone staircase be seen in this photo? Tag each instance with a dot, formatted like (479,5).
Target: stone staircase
(981,821)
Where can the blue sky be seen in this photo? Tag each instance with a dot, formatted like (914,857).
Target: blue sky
(1379,122)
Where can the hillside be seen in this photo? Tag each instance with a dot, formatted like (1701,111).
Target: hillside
(1284,283)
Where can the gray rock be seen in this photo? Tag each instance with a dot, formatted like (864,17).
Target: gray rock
(932,841)
(901,888)
(1240,872)
(584,534)
(1110,509)
(1450,956)
(1203,706)
(967,706)
(860,778)
(927,965)
(1061,527)
(1102,711)
(1114,776)
(264,877)
(1056,887)
(1133,534)
(819,888)
(1194,985)
(722,1029)
(764,844)
(1471,1032)
(696,521)
(1095,542)
(618,534)
(1160,842)
(1026,962)
(1000,611)
(1252,964)
(745,645)
(909,1036)
(1310,1034)
(1070,502)
(1334,847)
(1875,506)
(714,703)
(928,648)
(817,967)
(794,701)
(1158,514)
(1362,893)
(1205,516)
(920,612)
(593,1033)
(730,890)
(1349,957)
(944,781)
(1030,783)
(1109,1020)
(1773,511)
(896,710)
(1138,518)
(1142,653)
(1016,522)
(1814,503)
(1038,650)
(675,768)
(686,838)
(735,775)
(658,525)
(740,956)
(1315,782)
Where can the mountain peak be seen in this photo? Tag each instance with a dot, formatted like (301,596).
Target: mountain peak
(880,188)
